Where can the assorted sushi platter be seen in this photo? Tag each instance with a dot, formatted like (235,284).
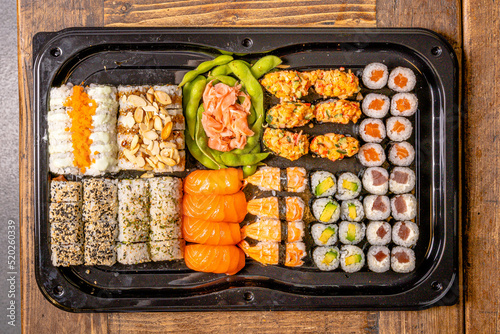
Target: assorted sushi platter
(185,176)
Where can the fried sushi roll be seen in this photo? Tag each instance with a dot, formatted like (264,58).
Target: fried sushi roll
(334,146)
(337,111)
(290,115)
(287,85)
(286,144)
(335,83)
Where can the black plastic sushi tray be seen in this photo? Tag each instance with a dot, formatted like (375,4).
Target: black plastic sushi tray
(163,55)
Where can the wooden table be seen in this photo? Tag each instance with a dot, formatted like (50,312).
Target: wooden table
(473,29)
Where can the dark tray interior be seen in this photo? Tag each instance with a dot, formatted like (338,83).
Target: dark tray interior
(151,56)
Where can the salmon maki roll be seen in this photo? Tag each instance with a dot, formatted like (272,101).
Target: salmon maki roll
(334,146)
(286,144)
(268,252)
(371,155)
(210,232)
(269,229)
(287,85)
(337,111)
(214,182)
(269,207)
(214,259)
(372,130)
(290,115)
(335,83)
(222,208)
(270,178)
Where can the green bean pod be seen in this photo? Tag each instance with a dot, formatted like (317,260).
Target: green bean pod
(248,159)
(194,95)
(264,65)
(198,154)
(202,139)
(205,67)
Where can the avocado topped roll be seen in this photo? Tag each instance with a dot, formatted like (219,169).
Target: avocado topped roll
(326,210)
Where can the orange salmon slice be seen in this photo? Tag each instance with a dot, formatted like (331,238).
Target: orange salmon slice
(400,80)
(398,127)
(372,130)
(376,75)
(401,152)
(403,104)
(376,104)
(371,155)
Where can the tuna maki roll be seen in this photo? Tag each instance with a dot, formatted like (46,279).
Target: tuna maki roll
(378,233)
(402,154)
(404,104)
(402,259)
(375,75)
(405,233)
(324,235)
(404,207)
(352,210)
(377,207)
(398,128)
(402,79)
(376,105)
(323,184)
(379,259)
(371,155)
(326,258)
(326,210)
(402,180)
(352,258)
(349,186)
(376,180)
(351,233)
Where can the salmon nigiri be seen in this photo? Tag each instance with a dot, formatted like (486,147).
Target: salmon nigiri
(214,182)
(269,178)
(210,233)
(267,252)
(269,229)
(269,207)
(214,259)
(221,208)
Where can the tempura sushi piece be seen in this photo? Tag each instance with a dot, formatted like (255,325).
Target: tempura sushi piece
(349,186)
(376,180)
(268,252)
(323,184)
(106,230)
(287,85)
(352,258)
(402,180)
(376,105)
(224,181)
(402,154)
(270,229)
(209,232)
(324,235)
(64,213)
(225,208)
(372,130)
(377,207)
(375,75)
(334,146)
(371,155)
(404,207)
(402,79)
(290,115)
(167,250)
(224,259)
(352,210)
(326,210)
(379,259)
(326,258)
(378,233)
(66,255)
(65,191)
(404,104)
(292,208)
(351,233)
(402,259)
(286,144)
(100,253)
(337,111)
(272,178)
(398,128)
(70,232)
(335,83)
(132,253)
(405,233)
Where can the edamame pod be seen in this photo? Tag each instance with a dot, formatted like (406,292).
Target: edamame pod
(264,65)
(235,160)
(194,95)
(249,170)
(198,154)
(221,70)
(205,67)
(225,79)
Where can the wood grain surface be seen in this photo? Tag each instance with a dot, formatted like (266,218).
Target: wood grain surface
(443,16)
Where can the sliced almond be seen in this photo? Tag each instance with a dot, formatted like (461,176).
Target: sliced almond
(134,150)
(146,140)
(150,146)
(146,118)
(168,119)
(151,135)
(149,97)
(163,97)
(156,105)
(176,156)
(147,175)
(128,121)
(138,114)
(139,161)
(157,123)
(167,130)
(169,161)
(123,99)
(130,157)
(163,111)
(156,148)
(150,124)
(137,101)
(151,91)
(154,159)
(167,144)
(143,127)
(148,167)
(160,165)
(151,163)
(135,142)
(151,109)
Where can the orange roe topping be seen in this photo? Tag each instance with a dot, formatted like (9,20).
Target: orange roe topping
(376,75)
(398,127)
(371,154)
(400,80)
(81,110)
(403,104)
(376,104)
(372,130)
(401,152)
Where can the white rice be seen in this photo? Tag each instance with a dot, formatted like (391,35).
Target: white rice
(367,72)
(133,253)
(398,136)
(165,230)
(320,176)
(411,207)
(375,265)
(319,256)
(401,188)
(412,238)
(399,267)
(396,160)
(410,98)
(372,112)
(404,72)
(100,253)
(374,214)
(319,205)
(317,230)
(347,251)
(167,250)
(372,162)
(344,193)
(368,181)
(344,210)
(372,236)
(343,229)
(368,138)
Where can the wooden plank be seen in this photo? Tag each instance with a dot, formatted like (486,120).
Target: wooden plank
(444,17)
(482,228)
(358,13)
(38,315)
